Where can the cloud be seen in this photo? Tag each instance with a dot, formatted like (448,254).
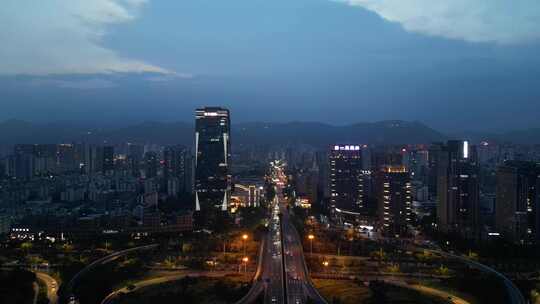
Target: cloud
(169,77)
(83,84)
(497,21)
(65,37)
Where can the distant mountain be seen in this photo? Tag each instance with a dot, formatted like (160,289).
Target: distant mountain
(526,136)
(313,133)
(384,132)
(17,131)
(529,136)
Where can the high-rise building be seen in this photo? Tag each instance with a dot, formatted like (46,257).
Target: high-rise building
(212,157)
(28,160)
(134,157)
(418,164)
(21,163)
(517,212)
(66,158)
(174,161)
(151,162)
(175,166)
(3,168)
(458,193)
(385,156)
(108,158)
(135,151)
(394,199)
(346,178)
(434,153)
(307,184)
(90,163)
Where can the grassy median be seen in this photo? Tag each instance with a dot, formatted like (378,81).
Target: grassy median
(201,290)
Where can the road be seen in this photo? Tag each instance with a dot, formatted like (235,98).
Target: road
(69,287)
(298,282)
(428,290)
(282,275)
(514,294)
(299,285)
(35,287)
(52,286)
(268,278)
(273,272)
(162,279)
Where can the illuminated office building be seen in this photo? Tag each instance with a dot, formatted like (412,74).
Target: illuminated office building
(212,157)
(458,193)
(347,178)
(517,215)
(394,199)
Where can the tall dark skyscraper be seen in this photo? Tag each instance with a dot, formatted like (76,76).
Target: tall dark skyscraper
(517,212)
(176,166)
(434,153)
(394,199)
(108,158)
(151,163)
(134,156)
(173,161)
(458,192)
(381,158)
(346,178)
(21,163)
(212,157)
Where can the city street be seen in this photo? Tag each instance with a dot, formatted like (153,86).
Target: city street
(283,248)
(52,286)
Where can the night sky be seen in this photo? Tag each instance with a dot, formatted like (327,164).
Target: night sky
(452,64)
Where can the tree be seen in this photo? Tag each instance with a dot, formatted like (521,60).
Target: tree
(26,246)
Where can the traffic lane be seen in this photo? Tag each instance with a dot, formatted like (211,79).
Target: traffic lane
(295,276)
(274,283)
(293,244)
(52,286)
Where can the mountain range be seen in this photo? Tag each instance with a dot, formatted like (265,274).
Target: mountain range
(312,133)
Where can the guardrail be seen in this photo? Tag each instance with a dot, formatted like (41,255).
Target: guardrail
(310,284)
(69,287)
(513,292)
(255,289)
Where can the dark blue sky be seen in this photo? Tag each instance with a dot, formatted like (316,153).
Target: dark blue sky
(454,65)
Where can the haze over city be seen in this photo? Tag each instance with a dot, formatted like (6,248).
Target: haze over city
(270,152)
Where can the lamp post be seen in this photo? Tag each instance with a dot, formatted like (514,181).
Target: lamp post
(244,239)
(325,264)
(311,237)
(245,260)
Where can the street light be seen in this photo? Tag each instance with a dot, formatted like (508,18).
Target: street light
(245,260)
(311,237)
(325,264)
(244,239)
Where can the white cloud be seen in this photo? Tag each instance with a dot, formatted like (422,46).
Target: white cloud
(498,21)
(81,84)
(169,77)
(64,37)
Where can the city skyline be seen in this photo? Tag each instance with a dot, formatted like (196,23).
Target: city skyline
(276,152)
(279,216)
